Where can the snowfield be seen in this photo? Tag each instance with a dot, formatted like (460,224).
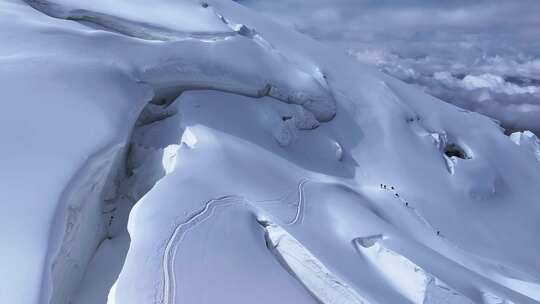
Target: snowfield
(196,152)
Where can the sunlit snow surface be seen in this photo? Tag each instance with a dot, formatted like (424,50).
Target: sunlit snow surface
(262,167)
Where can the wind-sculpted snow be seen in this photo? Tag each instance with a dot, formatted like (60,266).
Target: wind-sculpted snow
(242,67)
(528,141)
(327,288)
(123,26)
(163,22)
(410,279)
(144,144)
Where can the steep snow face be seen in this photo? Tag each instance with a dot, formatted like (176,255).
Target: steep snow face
(287,172)
(324,286)
(407,278)
(528,141)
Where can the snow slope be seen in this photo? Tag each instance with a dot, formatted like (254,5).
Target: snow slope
(261,166)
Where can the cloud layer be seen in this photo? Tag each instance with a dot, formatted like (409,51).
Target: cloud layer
(480,55)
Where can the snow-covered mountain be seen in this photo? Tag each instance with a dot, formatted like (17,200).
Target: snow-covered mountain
(196,152)
(473,54)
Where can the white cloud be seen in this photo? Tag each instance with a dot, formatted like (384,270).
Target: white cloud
(481,55)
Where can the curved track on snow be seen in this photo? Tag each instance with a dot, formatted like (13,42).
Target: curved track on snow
(171,248)
(168,293)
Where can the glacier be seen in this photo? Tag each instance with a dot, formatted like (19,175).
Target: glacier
(197,152)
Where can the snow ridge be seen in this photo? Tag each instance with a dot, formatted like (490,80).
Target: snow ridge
(130,28)
(176,76)
(325,286)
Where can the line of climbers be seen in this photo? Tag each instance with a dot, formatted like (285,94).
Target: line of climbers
(396,195)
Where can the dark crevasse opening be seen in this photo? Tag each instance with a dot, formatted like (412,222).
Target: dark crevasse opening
(154,141)
(454,150)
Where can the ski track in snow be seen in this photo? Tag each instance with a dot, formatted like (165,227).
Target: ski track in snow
(169,256)
(299,216)
(145,31)
(200,216)
(285,92)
